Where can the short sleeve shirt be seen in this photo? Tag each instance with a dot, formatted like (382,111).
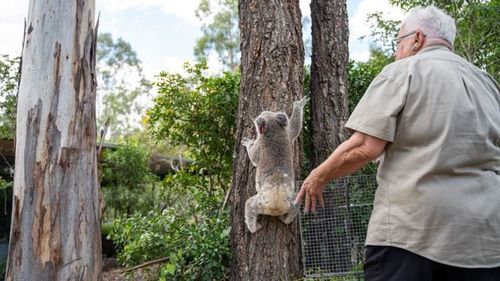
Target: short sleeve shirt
(438,189)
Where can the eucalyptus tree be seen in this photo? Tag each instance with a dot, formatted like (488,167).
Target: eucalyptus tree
(272,77)
(55,232)
(220,33)
(122,86)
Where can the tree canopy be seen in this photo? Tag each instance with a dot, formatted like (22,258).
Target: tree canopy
(121,85)
(220,35)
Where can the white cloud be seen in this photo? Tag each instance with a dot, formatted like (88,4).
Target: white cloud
(305,7)
(360,55)
(214,64)
(12,26)
(172,7)
(358,25)
(167,63)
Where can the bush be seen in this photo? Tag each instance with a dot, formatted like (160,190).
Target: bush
(195,112)
(192,232)
(127,183)
(198,111)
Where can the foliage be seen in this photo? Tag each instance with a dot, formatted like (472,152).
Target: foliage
(306,129)
(5,184)
(9,79)
(191,231)
(221,35)
(199,112)
(127,184)
(121,84)
(384,32)
(478,29)
(361,74)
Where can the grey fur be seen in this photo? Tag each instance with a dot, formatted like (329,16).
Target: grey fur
(272,154)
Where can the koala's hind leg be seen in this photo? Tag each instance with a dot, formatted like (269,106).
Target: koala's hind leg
(253,207)
(290,216)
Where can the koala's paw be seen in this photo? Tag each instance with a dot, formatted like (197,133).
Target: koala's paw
(288,218)
(302,102)
(247,142)
(254,227)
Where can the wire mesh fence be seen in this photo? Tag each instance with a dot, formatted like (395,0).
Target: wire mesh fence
(333,237)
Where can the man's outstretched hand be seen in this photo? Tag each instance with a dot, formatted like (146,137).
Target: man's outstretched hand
(312,190)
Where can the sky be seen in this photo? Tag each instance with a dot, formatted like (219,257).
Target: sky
(164,32)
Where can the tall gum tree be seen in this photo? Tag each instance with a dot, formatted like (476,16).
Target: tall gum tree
(55,233)
(272,75)
(329,111)
(330,58)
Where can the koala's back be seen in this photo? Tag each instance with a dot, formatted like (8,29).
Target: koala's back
(275,168)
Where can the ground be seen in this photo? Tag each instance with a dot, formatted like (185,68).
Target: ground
(113,272)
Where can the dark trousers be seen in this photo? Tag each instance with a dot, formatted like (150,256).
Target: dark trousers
(395,264)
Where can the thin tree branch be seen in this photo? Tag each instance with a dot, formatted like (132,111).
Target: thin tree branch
(146,264)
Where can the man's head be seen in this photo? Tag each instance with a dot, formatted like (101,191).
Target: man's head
(422,27)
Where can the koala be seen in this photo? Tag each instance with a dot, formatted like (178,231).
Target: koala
(272,155)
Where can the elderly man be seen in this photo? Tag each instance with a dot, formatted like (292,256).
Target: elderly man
(435,118)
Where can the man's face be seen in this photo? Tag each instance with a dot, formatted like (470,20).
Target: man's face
(404,43)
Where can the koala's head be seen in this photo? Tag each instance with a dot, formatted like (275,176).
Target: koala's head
(273,121)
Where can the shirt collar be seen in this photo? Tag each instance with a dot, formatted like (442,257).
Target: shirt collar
(432,48)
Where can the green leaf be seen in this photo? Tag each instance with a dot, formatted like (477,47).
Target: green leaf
(170,268)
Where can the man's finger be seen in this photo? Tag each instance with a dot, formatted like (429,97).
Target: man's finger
(308,198)
(299,196)
(321,200)
(313,203)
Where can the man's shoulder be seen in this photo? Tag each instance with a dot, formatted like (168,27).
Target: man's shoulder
(395,70)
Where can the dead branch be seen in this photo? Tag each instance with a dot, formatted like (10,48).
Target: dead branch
(149,263)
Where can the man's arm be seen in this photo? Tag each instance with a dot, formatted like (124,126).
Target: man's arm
(350,156)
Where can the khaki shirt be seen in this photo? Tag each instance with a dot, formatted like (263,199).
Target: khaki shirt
(439,179)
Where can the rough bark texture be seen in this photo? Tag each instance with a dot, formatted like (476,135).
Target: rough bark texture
(328,77)
(271,79)
(55,232)
(329,111)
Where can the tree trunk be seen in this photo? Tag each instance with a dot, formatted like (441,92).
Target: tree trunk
(329,111)
(55,233)
(271,79)
(330,57)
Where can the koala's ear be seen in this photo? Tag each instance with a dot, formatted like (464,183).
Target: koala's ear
(282,119)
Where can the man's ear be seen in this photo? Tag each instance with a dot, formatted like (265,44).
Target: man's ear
(418,41)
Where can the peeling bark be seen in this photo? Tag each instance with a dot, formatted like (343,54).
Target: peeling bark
(271,79)
(55,232)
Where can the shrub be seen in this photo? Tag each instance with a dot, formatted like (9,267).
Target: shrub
(127,183)
(193,232)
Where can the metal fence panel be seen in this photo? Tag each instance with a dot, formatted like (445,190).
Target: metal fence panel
(333,237)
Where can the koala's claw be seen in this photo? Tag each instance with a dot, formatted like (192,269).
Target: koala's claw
(247,142)
(301,102)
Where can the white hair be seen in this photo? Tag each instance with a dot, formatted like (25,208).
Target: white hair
(432,21)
